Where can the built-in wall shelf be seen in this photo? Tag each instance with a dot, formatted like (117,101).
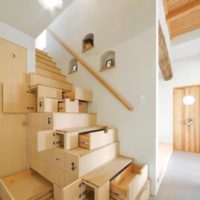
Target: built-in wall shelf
(107,61)
(73,66)
(88,42)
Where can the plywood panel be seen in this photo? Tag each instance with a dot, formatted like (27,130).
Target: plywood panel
(186,136)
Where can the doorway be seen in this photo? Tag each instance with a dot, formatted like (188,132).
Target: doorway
(186,109)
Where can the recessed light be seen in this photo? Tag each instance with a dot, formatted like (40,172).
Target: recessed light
(51,4)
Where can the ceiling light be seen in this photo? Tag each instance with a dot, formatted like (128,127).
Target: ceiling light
(51,4)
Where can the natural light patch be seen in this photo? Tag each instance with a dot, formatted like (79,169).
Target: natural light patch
(188,100)
(41,41)
(51,4)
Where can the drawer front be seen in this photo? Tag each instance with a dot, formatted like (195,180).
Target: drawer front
(90,162)
(71,120)
(47,105)
(43,91)
(47,140)
(83,107)
(71,167)
(82,94)
(135,177)
(145,192)
(58,158)
(58,176)
(97,139)
(74,191)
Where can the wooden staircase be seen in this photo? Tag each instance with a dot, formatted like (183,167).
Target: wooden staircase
(66,145)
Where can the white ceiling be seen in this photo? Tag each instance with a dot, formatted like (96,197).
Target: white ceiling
(28,15)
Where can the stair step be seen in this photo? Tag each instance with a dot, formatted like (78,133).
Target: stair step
(39,55)
(44,61)
(48,68)
(41,52)
(52,75)
(105,173)
(35,79)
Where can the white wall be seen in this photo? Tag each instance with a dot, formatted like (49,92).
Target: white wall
(13,35)
(186,72)
(120,26)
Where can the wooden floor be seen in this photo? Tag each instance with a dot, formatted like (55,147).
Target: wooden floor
(164,153)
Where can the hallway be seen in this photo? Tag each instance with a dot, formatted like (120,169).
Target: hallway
(182,179)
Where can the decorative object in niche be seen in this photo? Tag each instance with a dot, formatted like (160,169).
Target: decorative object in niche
(73,66)
(88,42)
(107,60)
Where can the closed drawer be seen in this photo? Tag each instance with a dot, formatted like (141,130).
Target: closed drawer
(44,91)
(47,105)
(69,106)
(97,139)
(129,183)
(145,192)
(80,161)
(74,191)
(83,107)
(48,140)
(79,94)
(59,121)
(58,158)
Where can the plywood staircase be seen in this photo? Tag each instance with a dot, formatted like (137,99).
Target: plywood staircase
(69,149)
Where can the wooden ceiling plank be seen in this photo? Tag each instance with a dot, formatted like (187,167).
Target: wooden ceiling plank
(184,10)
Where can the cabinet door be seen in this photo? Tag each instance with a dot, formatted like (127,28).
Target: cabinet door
(13,63)
(18,99)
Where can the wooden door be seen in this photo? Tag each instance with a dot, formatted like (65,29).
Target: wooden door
(186,119)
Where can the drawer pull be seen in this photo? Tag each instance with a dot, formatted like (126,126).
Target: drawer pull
(41,104)
(13,55)
(83,194)
(30,108)
(49,120)
(81,184)
(83,142)
(57,158)
(73,167)
(55,134)
(56,142)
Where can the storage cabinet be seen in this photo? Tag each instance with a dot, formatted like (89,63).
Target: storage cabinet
(79,94)
(97,139)
(129,183)
(18,99)
(80,161)
(45,104)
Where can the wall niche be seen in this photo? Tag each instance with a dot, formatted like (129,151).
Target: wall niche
(73,66)
(88,42)
(107,61)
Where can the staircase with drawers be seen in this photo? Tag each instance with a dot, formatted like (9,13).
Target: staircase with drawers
(79,158)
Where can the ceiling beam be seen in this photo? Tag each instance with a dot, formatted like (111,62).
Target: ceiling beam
(164,60)
(182,11)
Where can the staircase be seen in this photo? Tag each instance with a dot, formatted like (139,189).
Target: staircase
(66,145)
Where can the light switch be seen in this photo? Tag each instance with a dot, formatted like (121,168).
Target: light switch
(142,100)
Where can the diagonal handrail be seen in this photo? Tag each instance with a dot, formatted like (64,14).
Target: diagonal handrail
(89,68)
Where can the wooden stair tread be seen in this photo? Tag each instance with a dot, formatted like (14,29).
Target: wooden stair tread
(82,129)
(40,51)
(105,173)
(27,185)
(48,67)
(35,79)
(42,56)
(34,87)
(50,74)
(44,61)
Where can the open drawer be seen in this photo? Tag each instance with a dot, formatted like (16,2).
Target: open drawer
(129,183)
(26,185)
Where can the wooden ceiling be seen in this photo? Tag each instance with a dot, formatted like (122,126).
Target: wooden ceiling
(182,16)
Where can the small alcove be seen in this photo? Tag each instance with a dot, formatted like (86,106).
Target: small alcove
(73,66)
(107,61)
(88,42)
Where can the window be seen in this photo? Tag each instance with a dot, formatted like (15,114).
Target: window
(41,41)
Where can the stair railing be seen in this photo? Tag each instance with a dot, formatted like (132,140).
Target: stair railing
(90,69)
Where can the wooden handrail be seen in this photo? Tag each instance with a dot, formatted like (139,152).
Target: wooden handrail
(89,68)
